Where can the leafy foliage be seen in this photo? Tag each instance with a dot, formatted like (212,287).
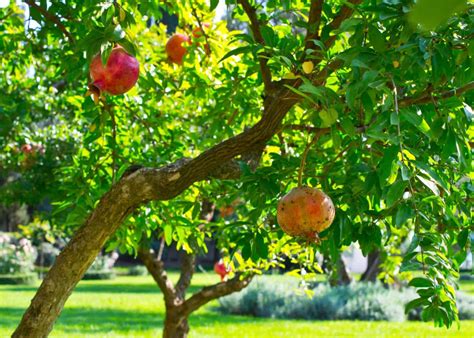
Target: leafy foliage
(394,123)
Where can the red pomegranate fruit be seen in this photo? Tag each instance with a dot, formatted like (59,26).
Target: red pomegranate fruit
(221,269)
(27,148)
(305,212)
(175,49)
(118,76)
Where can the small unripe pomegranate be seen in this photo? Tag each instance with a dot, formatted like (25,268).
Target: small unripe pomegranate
(197,33)
(221,269)
(175,49)
(118,76)
(27,148)
(305,212)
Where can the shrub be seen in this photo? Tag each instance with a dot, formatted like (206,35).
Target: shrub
(465,304)
(137,270)
(282,298)
(16,279)
(47,254)
(16,256)
(102,266)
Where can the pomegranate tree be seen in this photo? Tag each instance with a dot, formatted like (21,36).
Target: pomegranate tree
(305,212)
(118,76)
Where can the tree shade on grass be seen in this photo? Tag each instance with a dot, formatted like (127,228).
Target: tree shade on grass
(133,307)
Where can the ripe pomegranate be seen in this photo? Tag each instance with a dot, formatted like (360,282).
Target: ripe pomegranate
(305,212)
(221,269)
(119,74)
(175,49)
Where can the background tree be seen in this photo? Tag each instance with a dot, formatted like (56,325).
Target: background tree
(381,105)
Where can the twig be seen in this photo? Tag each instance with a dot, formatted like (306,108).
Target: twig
(427,95)
(257,34)
(314,21)
(207,48)
(343,14)
(52,18)
(160,250)
(315,139)
(109,109)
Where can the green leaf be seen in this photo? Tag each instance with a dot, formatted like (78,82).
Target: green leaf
(385,165)
(262,248)
(328,116)
(246,251)
(403,214)
(421,282)
(395,192)
(429,171)
(376,38)
(430,184)
(168,230)
(418,121)
(415,303)
(462,237)
(449,145)
(213,5)
(432,13)
(236,51)
(105,51)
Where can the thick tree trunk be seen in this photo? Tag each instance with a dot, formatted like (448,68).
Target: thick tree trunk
(176,325)
(373,267)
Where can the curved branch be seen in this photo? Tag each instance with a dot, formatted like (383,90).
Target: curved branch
(428,96)
(257,35)
(131,191)
(187,270)
(314,20)
(215,291)
(157,271)
(52,18)
(344,13)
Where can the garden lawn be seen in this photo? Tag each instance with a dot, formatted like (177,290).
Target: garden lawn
(133,307)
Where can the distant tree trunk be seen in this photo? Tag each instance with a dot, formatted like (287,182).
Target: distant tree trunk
(373,267)
(344,276)
(338,274)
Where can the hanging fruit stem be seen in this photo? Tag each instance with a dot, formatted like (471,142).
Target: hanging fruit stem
(315,139)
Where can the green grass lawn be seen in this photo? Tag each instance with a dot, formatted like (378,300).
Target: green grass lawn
(133,307)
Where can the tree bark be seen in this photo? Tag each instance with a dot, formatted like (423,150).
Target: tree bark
(373,267)
(176,324)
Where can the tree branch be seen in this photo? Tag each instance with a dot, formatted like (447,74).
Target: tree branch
(187,270)
(131,191)
(257,35)
(344,13)
(52,18)
(314,20)
(157,271)
(428,96)
(212,292)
